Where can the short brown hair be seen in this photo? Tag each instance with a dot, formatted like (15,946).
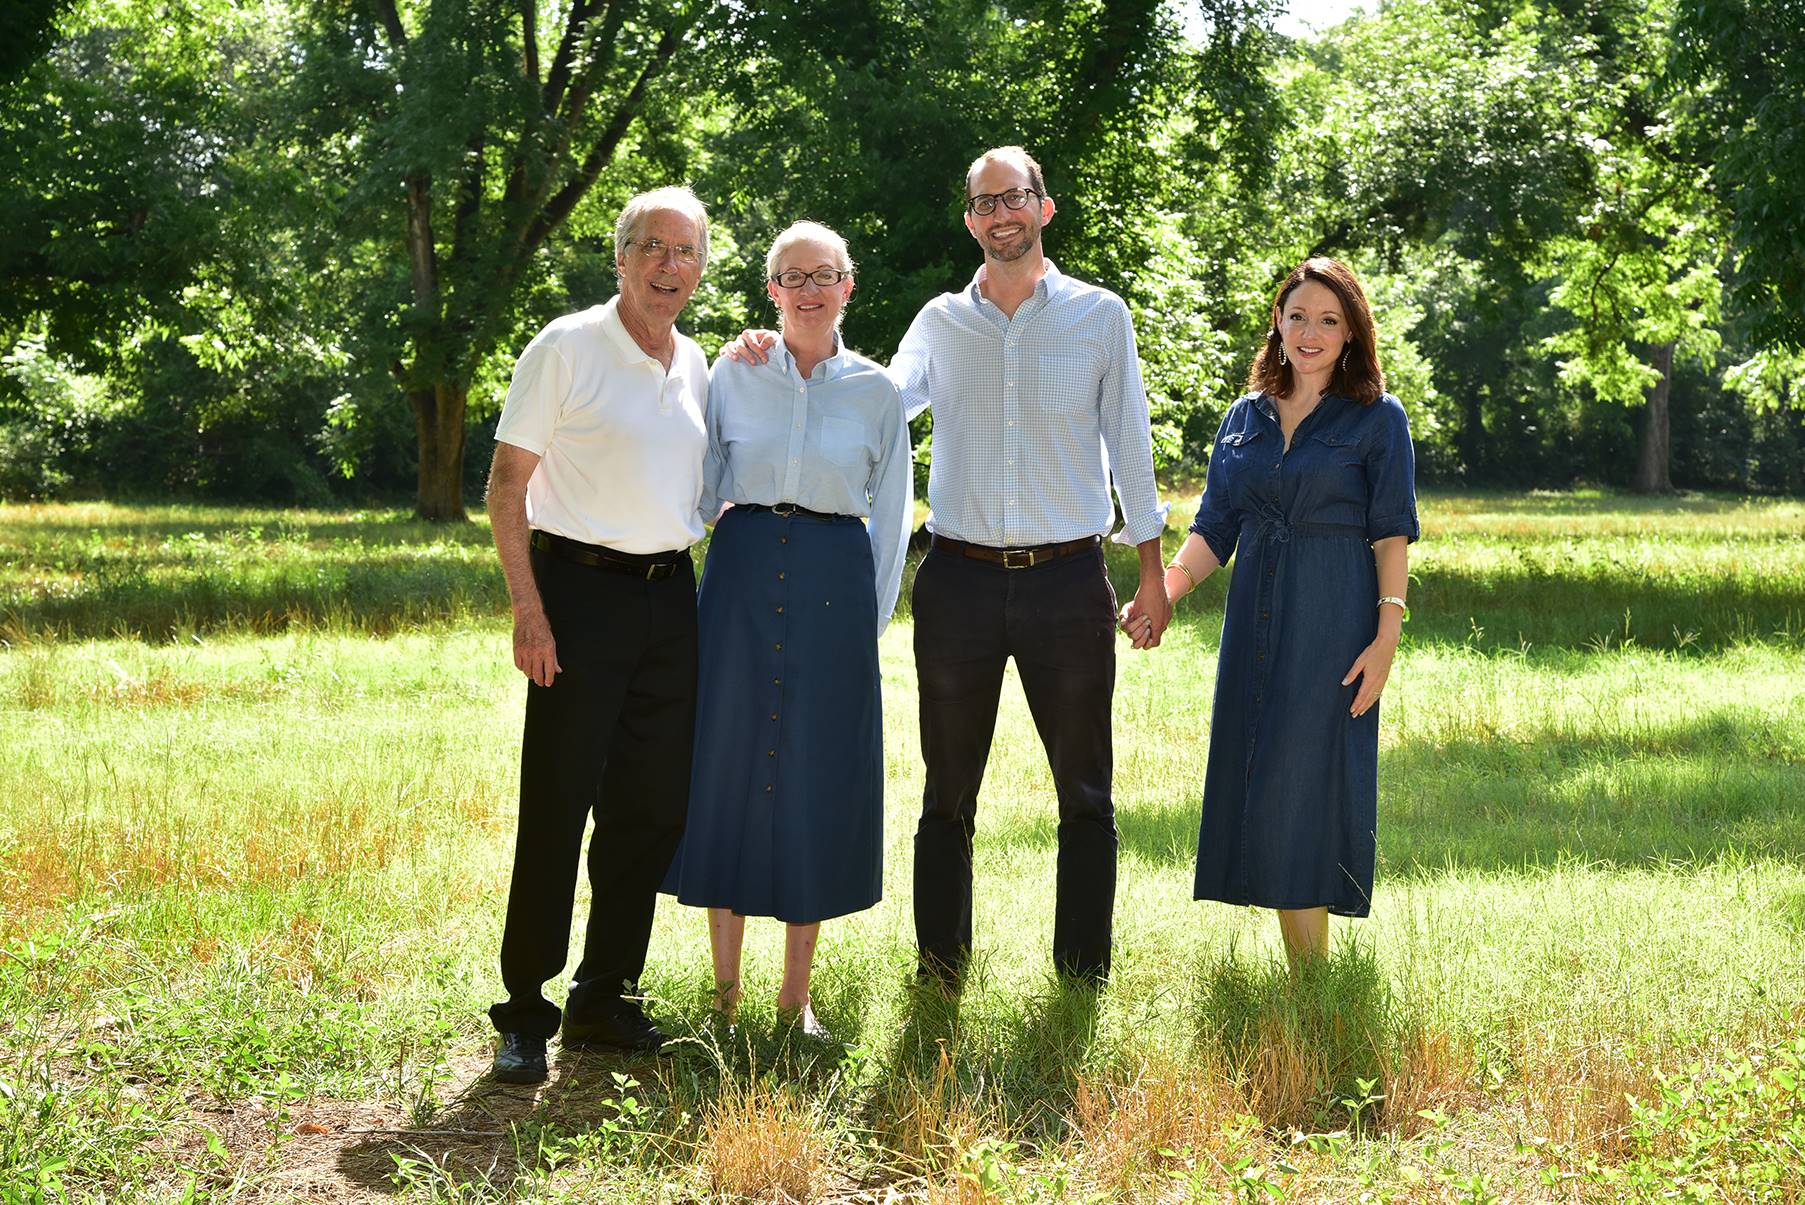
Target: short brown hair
(1019,157)
(1361,379)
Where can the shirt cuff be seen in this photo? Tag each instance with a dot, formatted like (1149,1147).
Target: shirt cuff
(1148,527)
(1394,525)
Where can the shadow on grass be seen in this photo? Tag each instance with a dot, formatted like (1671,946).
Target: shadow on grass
(493,1135)
(1594,612)
(157,572)
(1684,792)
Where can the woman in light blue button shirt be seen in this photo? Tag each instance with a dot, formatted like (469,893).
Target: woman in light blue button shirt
(786,790)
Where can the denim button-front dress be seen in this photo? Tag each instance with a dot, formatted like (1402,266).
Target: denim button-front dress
(1290,796)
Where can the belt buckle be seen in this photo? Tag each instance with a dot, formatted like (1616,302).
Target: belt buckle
(786,509)
(1026,553)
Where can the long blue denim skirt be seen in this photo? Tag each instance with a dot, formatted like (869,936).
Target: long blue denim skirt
(786,815)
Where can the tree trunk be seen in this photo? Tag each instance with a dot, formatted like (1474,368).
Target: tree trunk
(1470,440)
(1652,475)
(439,426)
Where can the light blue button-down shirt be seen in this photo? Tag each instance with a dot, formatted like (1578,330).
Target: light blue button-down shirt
(1032,415)
(836,443)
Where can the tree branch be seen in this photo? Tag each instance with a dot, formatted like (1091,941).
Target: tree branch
(529,37)
(565,200)
(602,58)
(390,20)
(563,65)
(423,264)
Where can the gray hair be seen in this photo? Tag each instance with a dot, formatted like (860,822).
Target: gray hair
(807,232)
(672,199)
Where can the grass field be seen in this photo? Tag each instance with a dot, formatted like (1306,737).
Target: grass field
(256,807)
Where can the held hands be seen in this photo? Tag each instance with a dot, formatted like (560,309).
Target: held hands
(1145,618)
(1372,667)
(535,653)
(752,347)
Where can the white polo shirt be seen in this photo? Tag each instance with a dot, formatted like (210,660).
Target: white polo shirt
(620,441)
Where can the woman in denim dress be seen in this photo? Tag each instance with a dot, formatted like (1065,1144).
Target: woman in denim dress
(1312,481)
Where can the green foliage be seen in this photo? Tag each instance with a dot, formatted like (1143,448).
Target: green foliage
(1741,66)
(1730,1131)
(286,240)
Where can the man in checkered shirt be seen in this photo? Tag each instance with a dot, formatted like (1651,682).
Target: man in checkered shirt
(1038,403)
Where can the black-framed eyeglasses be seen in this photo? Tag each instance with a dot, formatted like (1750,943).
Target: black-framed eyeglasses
(795,278)
(985,203)
(654,248)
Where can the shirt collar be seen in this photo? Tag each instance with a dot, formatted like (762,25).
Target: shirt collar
(828,368)
(1049,283)
(629,351)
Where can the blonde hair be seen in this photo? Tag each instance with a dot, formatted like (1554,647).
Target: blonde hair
(801,232)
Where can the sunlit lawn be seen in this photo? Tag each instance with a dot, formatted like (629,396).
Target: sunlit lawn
(253,861)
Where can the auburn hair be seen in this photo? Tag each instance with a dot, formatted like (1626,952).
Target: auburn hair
(1361,379)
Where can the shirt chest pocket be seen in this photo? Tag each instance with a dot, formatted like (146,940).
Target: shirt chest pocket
(1240,448)
(843,443)
(1065,383)
(1340,450)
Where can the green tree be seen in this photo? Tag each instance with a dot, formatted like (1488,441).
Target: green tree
(454,138)
(1741,64)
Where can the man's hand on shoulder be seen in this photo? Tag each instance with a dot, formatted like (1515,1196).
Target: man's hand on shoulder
(752,347)
(535,652)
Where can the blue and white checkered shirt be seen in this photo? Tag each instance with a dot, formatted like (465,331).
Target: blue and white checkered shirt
(1032,415)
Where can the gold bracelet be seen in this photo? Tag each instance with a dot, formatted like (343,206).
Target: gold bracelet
(1180,566)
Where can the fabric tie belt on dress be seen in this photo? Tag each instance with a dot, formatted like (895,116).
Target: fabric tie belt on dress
(1016,558)
(1274,527)
(652,567)
(786,509)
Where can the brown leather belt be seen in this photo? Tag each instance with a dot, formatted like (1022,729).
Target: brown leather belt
(653,567)
(1016,558)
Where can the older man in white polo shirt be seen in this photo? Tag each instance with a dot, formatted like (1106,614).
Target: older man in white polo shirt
(593,496)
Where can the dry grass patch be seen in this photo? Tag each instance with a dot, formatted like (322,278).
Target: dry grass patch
(1134,1128)
(763,1144)
(1429,1070)
(1581,1094)
(927,1122)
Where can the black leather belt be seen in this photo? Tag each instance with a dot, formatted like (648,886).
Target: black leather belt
(786,509)
(1016,558)
(652,567)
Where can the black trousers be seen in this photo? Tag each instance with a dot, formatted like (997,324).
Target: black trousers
(611,735)
(1058,621)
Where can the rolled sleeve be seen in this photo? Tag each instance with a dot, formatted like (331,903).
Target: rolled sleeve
(1217,523)
(1128,439)
(1391,476)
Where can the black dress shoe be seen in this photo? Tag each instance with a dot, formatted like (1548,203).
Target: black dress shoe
(521,1060)
(617,1025)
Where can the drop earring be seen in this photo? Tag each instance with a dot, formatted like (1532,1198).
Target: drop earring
(1344,352)
(1282,360)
